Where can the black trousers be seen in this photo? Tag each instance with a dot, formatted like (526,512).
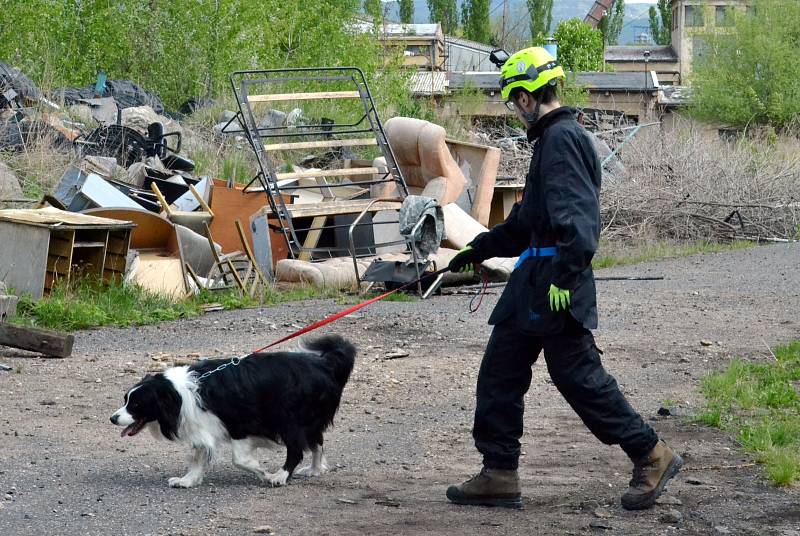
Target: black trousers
(573,363)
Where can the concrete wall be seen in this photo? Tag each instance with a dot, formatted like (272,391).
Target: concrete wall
(684,37)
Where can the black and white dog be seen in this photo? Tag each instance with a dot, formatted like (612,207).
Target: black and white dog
(287,398)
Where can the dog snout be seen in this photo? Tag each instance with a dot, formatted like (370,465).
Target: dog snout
(114,418)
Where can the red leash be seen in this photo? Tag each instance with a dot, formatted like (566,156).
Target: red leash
(351,310)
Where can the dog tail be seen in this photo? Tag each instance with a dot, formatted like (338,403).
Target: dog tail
(339,353)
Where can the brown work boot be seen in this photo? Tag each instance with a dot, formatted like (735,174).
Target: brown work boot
(490,487)
(650,476)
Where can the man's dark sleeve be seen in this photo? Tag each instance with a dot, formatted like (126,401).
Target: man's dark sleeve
(507,239)
(573,205)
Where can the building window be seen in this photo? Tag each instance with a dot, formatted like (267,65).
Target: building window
(724,16)
(694,17)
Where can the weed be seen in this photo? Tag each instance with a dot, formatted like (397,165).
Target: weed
(93,303)
(760,404)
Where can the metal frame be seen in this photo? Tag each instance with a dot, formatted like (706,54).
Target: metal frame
(243,82)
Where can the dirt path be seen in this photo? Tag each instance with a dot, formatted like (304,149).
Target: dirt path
(403,432)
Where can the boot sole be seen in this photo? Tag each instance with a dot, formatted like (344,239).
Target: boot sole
(650,500)
(511,502)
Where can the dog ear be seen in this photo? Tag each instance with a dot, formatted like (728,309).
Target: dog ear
(169,414)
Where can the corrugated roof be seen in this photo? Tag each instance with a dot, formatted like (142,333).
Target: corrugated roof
(483,47)
(428,83)
(636,53)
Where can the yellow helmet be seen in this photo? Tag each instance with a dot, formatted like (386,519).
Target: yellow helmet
(530,68)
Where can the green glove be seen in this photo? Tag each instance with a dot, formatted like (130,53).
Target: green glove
(559,298)
(465,261)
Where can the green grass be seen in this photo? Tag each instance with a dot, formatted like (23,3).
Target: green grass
(92,304)
(760,404)
(621,255)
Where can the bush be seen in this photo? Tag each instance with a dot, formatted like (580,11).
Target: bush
(580,47)
(750,75)
(181,48)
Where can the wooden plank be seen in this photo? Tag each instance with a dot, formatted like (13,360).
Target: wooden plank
(52,216)
(58,264)
(60,247)
(312,238)
(328,173)
(323,95)
(363,142)
(49,343)
(337,208)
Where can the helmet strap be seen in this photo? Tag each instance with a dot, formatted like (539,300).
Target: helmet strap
(533,117)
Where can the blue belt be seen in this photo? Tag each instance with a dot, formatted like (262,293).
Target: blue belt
(536,252)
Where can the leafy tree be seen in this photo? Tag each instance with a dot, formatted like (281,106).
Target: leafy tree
(580,47)
(445,12)
(661,22)
(749,73)
(373,9)
(185,48)
(475,19)
(407,11)
(541,14)
(611,24)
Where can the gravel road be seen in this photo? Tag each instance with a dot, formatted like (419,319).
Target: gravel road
(403,431)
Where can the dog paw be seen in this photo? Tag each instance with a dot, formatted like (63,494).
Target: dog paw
(310,471)
(277,479)
(181,482)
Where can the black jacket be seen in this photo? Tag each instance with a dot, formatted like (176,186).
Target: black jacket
(560,207)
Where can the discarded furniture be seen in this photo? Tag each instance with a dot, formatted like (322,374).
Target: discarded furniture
(478,163)
(233,270)
(269,242)
(162,255)
(271,131)
(194,220)
(461,229)
(228,204)
(46,342)
(78,190)
(254,279)
(422,154)
(505,195)
(328,274)
(45,246)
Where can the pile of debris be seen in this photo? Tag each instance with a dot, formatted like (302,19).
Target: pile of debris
(131,207)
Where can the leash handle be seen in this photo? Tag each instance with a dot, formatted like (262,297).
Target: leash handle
(350,310)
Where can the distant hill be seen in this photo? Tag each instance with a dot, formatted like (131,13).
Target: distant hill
(636,17)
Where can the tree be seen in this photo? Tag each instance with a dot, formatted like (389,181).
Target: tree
(749,74)
(611,25)
(475,19)
(541,14)
(445,12)
(373,9)
(407,11)
(580,47)
(661,22)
